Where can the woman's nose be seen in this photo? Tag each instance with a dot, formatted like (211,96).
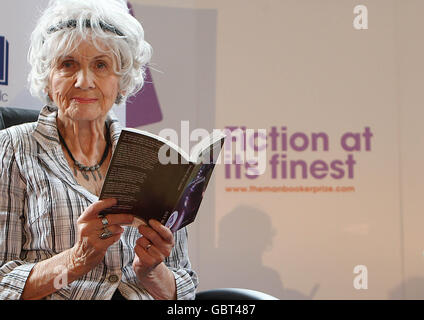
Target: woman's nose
(85,79)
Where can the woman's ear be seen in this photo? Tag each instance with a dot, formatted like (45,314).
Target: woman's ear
(48,95)
(120,97)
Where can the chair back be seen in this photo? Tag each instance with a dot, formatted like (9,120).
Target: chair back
(233,294)
(11,116)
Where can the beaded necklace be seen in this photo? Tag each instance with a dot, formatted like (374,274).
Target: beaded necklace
(85,169)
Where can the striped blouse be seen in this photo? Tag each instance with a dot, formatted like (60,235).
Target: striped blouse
(40,202)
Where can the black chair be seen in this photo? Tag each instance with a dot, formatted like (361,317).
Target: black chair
(10,116)
(233,294)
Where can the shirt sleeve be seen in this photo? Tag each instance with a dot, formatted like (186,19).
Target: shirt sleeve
(13,271)
(178,262)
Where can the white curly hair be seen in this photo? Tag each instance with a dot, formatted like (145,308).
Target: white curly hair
(65,23)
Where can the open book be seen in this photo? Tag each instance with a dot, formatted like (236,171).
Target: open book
(151,177)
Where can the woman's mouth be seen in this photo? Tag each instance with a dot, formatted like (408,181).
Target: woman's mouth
(84,100)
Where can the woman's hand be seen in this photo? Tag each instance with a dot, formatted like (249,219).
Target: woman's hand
(152,248)
(90,248)
(86,254)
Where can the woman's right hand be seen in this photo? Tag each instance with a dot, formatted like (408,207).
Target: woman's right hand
(89,248)
(86,254)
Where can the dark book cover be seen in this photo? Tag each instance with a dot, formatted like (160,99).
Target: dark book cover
(153,178)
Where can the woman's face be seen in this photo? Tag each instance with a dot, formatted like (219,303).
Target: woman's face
(83,84)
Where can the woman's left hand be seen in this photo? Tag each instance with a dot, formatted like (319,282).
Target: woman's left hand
(152,248)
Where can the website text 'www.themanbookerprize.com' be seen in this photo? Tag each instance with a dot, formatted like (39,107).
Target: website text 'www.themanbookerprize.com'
(290,189)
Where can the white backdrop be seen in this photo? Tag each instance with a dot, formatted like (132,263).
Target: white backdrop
(300,65)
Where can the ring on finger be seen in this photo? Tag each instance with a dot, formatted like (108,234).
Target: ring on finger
(148,246)
(105,222)
(105,234)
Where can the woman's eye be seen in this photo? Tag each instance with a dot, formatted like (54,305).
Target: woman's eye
(101,65)
(68,64)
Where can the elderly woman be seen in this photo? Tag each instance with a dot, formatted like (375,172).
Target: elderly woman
(85,56)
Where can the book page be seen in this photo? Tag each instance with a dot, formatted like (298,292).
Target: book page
(161,139)
(205,144)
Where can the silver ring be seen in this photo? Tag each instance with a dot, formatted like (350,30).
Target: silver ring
(148,246)
(105,222)
(105,234)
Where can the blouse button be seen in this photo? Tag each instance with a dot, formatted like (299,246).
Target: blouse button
(113,278)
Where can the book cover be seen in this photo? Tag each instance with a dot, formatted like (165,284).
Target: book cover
(153,178)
